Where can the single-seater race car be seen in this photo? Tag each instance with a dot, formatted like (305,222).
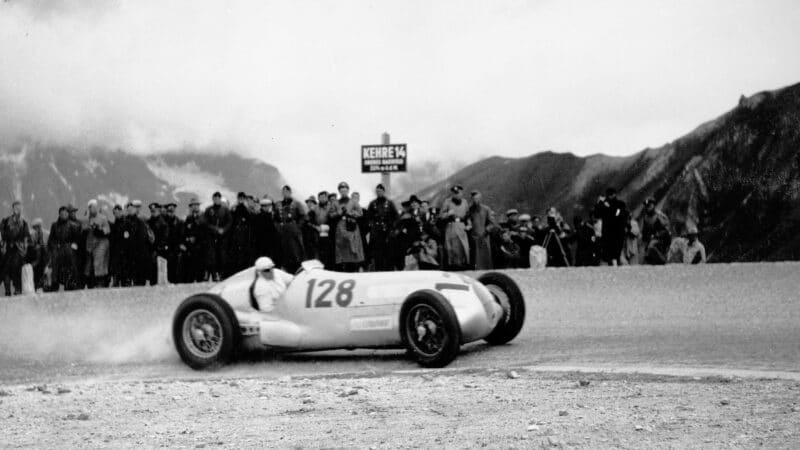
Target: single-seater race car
(429,313)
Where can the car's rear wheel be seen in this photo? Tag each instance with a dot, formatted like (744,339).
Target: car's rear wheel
(507,294)
(429,329)
(204,330)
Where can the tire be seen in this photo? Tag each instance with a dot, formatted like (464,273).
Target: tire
(422,313)
(211,317)
(507,294)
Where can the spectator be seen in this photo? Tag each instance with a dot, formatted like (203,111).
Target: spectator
(217,220)
(160,247)
(37,254)
(655,234)
(630,250)
(62,245)
(509,249)
(240,243)
(291,218)
(456,243)
(614,215)
(479,219)
(97,231)
(116,245)
(555,239)
(174,241)
(525,239)
(138,245)
(586,240)
(325,244)
(80,256)
(193,246)
(408,233)
(311,229)
(381,216)
(695,251)
(15,236)
(349,245)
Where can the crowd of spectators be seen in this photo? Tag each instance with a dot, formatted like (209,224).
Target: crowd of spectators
(125,247)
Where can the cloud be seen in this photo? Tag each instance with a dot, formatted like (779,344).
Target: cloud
(303,84)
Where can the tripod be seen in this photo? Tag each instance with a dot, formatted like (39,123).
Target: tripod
(553,235)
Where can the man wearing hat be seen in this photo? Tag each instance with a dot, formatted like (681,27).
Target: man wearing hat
(62,244)
(695,252)
(311,229)
(217,220)
(614,214)
(381,217)
(37,253)
(80,255)
(480,221)
(174,241)
(116,245)
(240,240)
(265,229)
(15,236)
(349,251)
(97,230)
(291,217)
(136,266)
(160,247)
(192,251)
(456,242)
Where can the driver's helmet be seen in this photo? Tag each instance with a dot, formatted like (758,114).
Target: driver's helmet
(264,263)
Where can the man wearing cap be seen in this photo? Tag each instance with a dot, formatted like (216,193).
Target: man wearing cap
(614,214)
(311,229)
(456,242)
(240,239)
(160,247)
(136,265)
(655,233)
(695,252)
(479,219)
(265,229)
(192,251)
(96,229)
(290,230)
(381,216)
(349,245)
(174,241)
(15,236)
(217,220)
(62,245)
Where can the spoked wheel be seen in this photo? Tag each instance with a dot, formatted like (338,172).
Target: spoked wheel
(430,329)
(205,331)
(202,333)
(507,294)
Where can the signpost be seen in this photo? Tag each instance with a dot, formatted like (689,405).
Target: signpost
(384,159)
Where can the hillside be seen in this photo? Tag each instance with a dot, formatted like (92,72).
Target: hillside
(737,177)
(45,177)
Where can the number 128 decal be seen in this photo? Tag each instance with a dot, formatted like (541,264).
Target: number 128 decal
(343,295)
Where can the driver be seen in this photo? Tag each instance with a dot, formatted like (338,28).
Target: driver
(269,284)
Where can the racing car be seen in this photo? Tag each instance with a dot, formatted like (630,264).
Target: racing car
(428,313)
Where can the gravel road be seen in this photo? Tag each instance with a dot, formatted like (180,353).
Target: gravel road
(111,350)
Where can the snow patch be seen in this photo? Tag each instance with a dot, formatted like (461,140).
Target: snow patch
(190,179)
(59,175)
(113,198)
(92,165)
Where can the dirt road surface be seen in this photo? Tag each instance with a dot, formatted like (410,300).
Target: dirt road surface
(674,356)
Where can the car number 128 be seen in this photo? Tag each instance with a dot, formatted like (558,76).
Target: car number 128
(342,296)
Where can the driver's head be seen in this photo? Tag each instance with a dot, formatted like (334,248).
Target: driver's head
(264,266)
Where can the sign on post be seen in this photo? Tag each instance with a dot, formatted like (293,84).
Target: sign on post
(383,158)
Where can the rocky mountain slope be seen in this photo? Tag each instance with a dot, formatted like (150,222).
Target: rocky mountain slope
(45,177)
(737,177)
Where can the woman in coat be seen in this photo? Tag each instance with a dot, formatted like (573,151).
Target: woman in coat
(97,230)
(349,244)
(456,243)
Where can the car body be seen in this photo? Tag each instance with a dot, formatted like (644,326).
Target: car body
(323,310)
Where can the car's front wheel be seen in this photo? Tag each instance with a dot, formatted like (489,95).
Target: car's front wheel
(507,294)
(204,331)
(429,329)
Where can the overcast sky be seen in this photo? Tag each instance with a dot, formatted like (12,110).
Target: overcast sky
(303,84)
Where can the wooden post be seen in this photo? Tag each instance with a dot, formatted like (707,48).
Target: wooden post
(386,177)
